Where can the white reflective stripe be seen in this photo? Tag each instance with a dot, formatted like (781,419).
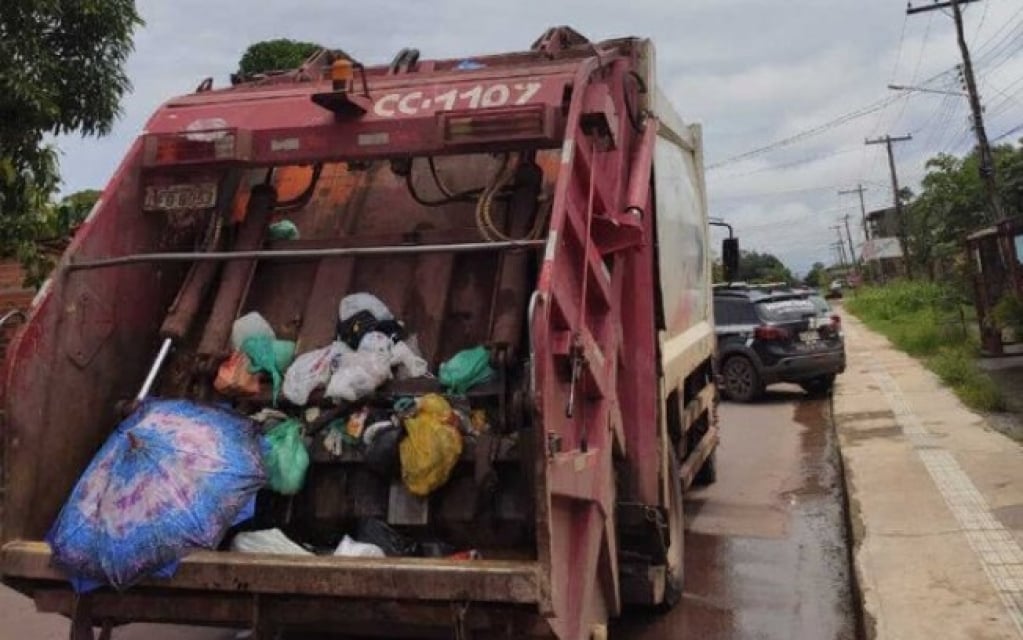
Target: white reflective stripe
(43,292)
(93,211)
(552,246)
(567,150)
(996,548)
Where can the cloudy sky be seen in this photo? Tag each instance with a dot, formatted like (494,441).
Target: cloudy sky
(811,74)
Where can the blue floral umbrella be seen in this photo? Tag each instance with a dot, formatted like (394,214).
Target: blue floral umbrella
(173,477)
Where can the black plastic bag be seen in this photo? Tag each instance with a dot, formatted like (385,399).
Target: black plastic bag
(379,533)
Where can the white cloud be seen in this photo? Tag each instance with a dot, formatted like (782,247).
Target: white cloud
(752,71)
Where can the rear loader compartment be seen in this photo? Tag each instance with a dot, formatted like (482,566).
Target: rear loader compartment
(526,222)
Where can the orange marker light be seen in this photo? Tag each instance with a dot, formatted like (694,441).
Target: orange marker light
(342,72)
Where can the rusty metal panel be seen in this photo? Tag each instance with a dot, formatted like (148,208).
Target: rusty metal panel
(386,578)
(364,618)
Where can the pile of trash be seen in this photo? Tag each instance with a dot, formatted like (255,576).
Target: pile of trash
(326,399)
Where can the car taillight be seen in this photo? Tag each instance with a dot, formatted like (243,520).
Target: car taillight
(769,332)
(836,321)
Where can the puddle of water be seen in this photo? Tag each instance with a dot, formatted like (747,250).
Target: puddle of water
(767,582)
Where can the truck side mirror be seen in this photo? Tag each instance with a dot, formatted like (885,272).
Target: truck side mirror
(730,258)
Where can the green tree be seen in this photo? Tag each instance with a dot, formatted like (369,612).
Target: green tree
(65,216)
(952,204)
(63,72)
(762,267)
(816,276)
(281,54)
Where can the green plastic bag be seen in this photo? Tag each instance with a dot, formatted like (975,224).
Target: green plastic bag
(263,357)
(284,354)
(283,230)
(466,369)
(285,457)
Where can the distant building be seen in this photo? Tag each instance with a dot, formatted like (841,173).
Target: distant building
(882,253)
(883,223)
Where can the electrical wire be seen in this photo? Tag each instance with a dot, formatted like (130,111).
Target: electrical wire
(1008,133)
(819,129)
(898,53)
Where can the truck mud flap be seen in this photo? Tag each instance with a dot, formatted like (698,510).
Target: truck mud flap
(235,589)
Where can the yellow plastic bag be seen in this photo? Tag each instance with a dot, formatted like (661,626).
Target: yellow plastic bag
(432,447)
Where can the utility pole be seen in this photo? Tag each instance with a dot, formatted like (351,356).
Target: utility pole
(839,248)
(901,219)
(863,208)
(852,252)
(987,161)
(841,241)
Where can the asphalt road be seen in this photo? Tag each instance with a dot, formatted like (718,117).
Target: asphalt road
(766,553)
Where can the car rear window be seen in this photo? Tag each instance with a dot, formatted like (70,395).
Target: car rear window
(785,309)
(822,305)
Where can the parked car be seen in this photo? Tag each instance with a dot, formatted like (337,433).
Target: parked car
(776,336)
(835,288)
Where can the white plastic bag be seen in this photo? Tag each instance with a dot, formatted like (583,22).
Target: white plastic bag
(354,549)
(409,364)
(250,325)
(376,342)
(356,302)
(360,374)
(312,370)
(267,541)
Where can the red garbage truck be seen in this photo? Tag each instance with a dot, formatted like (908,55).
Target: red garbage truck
(547,204)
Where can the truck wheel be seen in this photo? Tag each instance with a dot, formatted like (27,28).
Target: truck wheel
(708,473)
(741,381)
(675,555)
(818,386)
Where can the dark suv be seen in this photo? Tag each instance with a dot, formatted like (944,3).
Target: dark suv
(767,336)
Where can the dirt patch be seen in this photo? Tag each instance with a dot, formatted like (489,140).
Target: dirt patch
(852,436)
(1011,516)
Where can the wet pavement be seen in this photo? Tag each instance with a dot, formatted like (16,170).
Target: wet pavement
(766,552)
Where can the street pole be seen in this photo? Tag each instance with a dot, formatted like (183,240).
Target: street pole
(901,219)
(863,208)
(987,160)
(848,235)
(841,241)
(839,247)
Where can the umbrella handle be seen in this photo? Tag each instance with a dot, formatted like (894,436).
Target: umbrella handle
(154,370)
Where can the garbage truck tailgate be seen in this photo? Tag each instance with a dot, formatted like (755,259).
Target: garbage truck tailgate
(497,581)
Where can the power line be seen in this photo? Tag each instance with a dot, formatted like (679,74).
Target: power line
(1005,25)
(987,164)
(802,135)
(983,17)
(789,165)
(1008,133)
(898,52)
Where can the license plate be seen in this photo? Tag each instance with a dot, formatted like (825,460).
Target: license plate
(809,336)
(181,196)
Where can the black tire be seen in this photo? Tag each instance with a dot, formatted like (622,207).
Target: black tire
(708,473)
(674,571)
(819,386)
(740,379)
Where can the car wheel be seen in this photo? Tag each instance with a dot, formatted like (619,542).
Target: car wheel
(742,382)
(819,386)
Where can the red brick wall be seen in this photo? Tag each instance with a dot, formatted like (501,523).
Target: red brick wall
(12,296)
